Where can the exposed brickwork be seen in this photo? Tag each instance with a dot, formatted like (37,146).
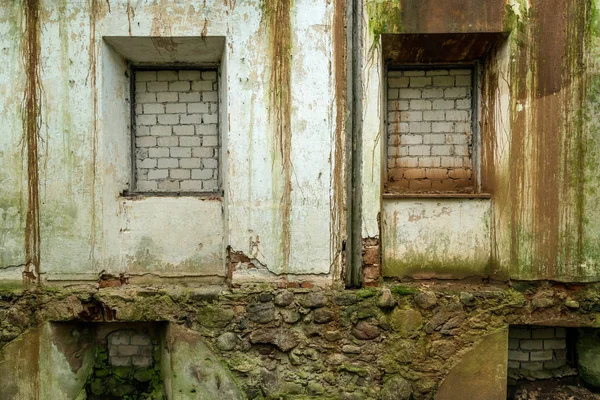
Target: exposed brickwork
(176,128)
(429,130)
(128,347)
(537,352)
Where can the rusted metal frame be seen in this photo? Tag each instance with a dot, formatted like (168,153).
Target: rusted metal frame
(354,245)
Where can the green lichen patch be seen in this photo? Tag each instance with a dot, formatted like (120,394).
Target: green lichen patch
(384,16)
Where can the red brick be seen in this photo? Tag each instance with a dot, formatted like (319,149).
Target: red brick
(371,255)
(371,272)
(306,285)
(395,174)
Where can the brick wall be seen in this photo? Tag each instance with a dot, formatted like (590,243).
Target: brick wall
(537,353)
(128,347)
(429,130)
(176,129)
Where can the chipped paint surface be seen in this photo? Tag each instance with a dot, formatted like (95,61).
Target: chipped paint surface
(282,142)
(436,238)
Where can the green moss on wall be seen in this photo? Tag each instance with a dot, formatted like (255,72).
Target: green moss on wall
(384,16)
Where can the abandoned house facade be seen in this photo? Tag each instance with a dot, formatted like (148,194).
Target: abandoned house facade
(346,199)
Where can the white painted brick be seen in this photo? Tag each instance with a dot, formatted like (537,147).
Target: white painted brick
(154,108)
(168,163)
(190,141)
(158,152)
(168,141)
(145,119)
(420,127)
(210,185)
(441,150)
(452,93)
(203,152)
(145,76)
(462,127)
(210,118)
(409,94)
(411,139)
(142,174)
(167,97)
(145,186)
(195,186)
(463,81)
(189,75)
(442,127)
(202,86)
(434,139)
(210,141)
(393,151)
(443,81)
(202,173)
(167,76)
(168,119)
(191,118)
(209,75)
(394,73)
(157,86)
(417,82)
(155,174)
(411,116)
(189,163)
(414,73)
(398,105)
(407,162)
(457,139)
(436,72)
(181,152)
(142,131)
(210,96)
(147,141)
(459,116)
(168,185)
(179,86)
(420,105)
(160,130)
(210,163)
(147,163)
(139,109)
(179,174)
(197,108)
(442,104)
(461,150)
(191,97)
(429,162)
(434,116)
(183,130)
(177,108)
(392,94)
(395,83)
(208,130)
(141,153)
(463,104)
(141,98)
(419,150)
(432,93)
(452,162)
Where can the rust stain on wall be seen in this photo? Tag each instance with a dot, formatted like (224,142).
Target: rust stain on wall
(277,13)
(32,117)
(338,204)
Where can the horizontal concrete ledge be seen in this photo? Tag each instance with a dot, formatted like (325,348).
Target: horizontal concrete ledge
(392,196)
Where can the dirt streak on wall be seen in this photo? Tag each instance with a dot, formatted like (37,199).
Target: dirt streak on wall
(547,144)
(277,15)
(95,9)
(32,117)
(338,204)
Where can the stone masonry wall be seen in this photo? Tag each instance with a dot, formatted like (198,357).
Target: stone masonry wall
(537,352)
(399,342)
(176,129)
(127,347)
(429,130)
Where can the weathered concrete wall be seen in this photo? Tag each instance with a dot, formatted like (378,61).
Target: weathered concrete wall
(538,128)
(66,156)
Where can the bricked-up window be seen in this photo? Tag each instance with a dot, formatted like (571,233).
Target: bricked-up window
(176,131)
(429,130)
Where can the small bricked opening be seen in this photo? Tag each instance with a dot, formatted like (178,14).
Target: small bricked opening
(429,130)
(176,131)
(127,362)
(540,352)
